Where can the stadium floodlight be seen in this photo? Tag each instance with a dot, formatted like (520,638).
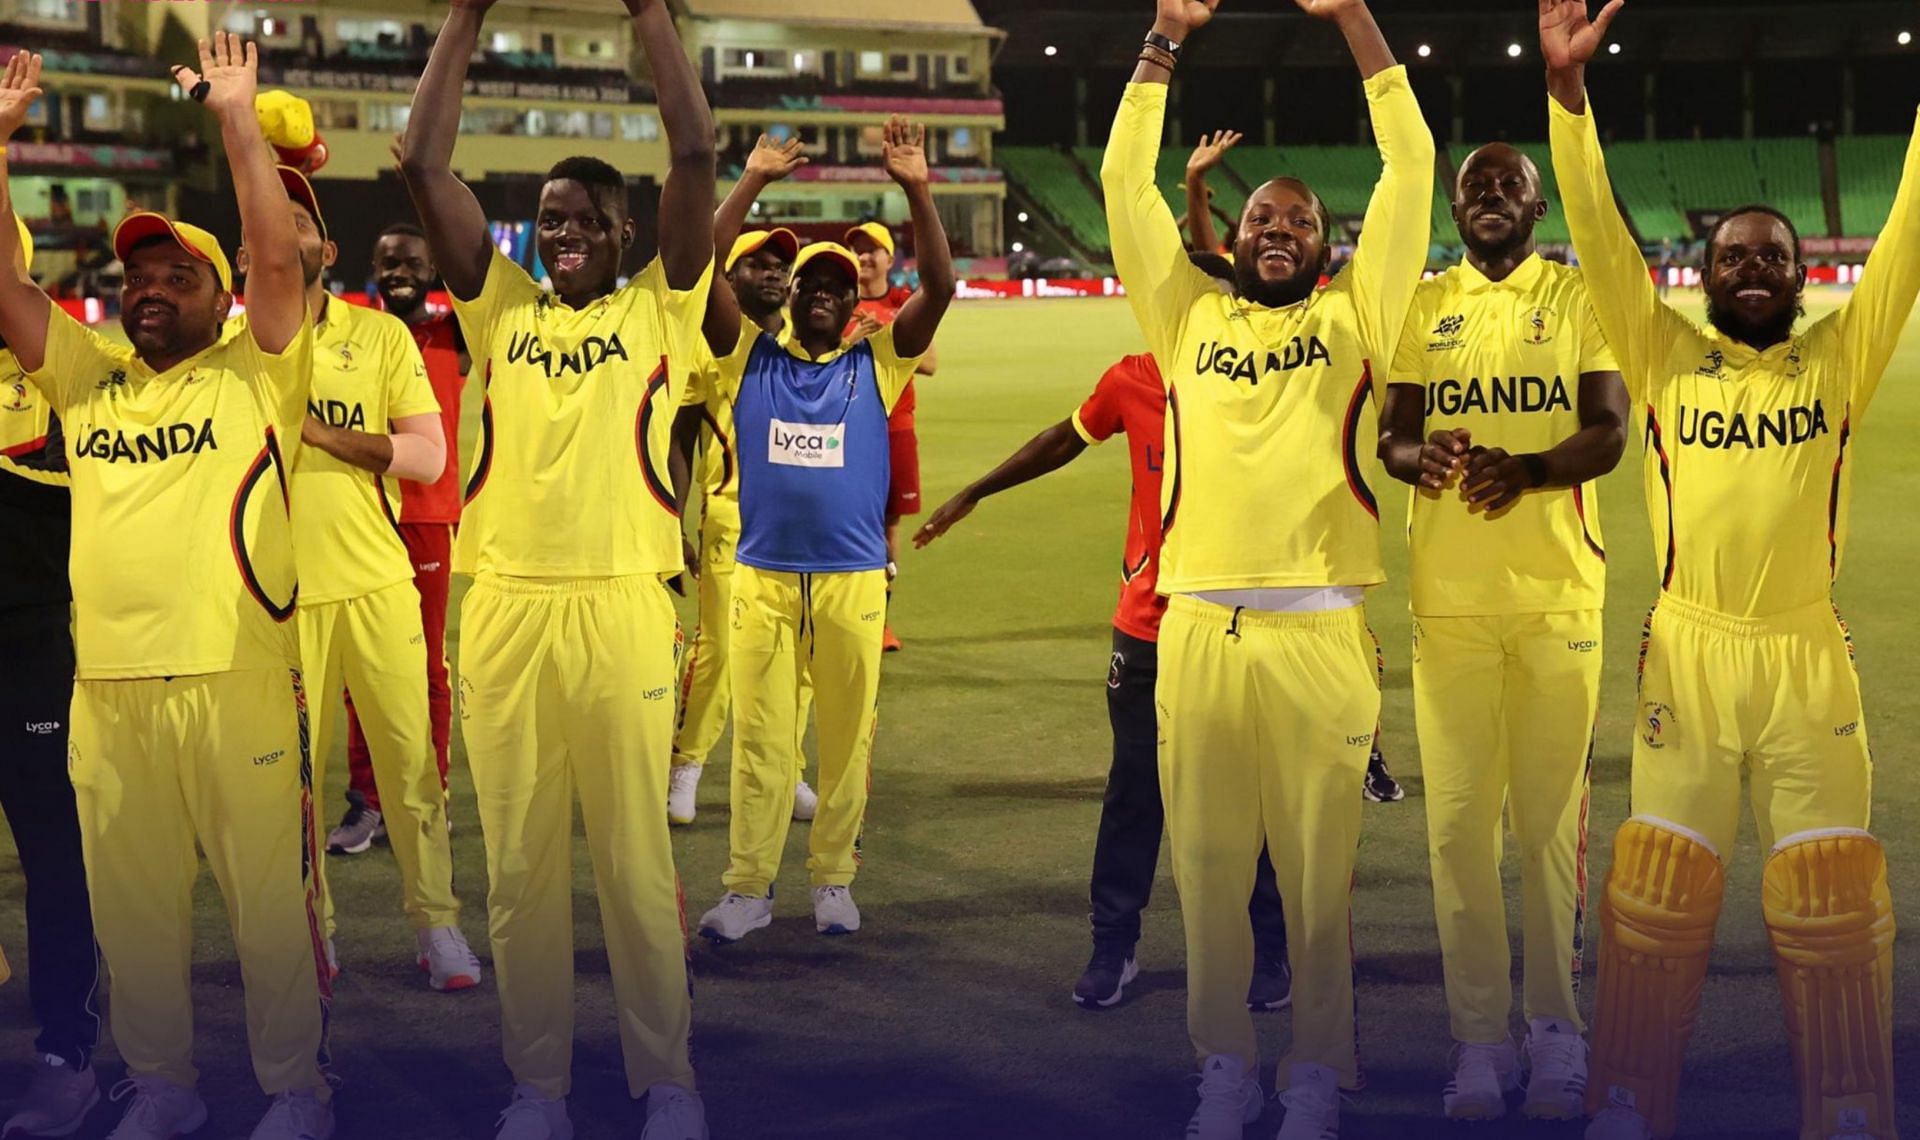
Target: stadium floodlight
(1052,51)
(1423,51)
(1613,49)
(749,59)
(1017,247)
(1513,51)
(1905,38)
(1023,216)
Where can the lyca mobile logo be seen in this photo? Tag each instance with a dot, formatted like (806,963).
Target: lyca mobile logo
(806,445)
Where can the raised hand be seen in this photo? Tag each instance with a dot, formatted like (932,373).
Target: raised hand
(864,325)
(773,161)
(1211,150)
(18,90)
(904,152)
(1329,9)
(1183,15)
(230,67)
(1567,37)
(1443,456)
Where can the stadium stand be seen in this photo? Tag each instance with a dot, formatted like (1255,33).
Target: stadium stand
(1639,172)
(1049,177)
(1343,176)
(1869,176)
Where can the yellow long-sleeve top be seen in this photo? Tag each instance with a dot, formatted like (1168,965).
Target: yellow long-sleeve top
(1272,414)
(1747,469)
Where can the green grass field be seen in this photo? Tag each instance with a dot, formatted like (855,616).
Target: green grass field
(948,1016)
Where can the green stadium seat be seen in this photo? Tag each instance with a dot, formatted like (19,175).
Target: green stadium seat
(1869,178)
(1660,182)
(1051,179)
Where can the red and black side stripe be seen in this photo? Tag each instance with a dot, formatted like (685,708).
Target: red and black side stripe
(1172,432)
(1833,497)
(1350,442)
(726,447)
(310,857)
(1657,442)
(1586,532)
(265,463)
(1580,870)
(386,504)
(661,488)
(20,450)
(483,465)
(1129,573)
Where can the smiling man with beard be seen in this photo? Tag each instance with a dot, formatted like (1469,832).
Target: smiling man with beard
(1747,668)
(809,590)
(571,529)
(189,714)
(1503,406)
(1267,694)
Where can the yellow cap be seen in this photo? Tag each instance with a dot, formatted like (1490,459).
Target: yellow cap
(747,242)
(875,232)
(199,244)
(830,249)
(285,118)
(26,241)
(301,191)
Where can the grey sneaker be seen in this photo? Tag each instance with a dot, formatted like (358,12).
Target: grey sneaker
(358,829)
(157,1109)
(57,1100)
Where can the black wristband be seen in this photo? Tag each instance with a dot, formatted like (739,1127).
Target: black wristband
(1536,468)
(1171,47)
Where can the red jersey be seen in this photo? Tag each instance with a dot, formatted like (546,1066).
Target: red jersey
(884,309)
(1130,398)
(439,501)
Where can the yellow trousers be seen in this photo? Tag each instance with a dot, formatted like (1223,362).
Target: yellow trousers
(567,686)
(220,758)
(786,627)
(1505,707)
(705,688)
(1774,696)
(375,646)
(1265,724)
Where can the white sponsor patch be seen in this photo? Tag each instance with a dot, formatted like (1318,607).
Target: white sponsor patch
(807,445)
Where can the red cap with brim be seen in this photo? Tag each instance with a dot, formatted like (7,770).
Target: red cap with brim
(301,191)
(199,244)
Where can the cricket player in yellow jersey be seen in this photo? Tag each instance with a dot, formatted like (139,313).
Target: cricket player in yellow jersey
(189,718)
(1746,668)
(359,612)
(1267,692)
(1503,407)
(570,530)
(757,267)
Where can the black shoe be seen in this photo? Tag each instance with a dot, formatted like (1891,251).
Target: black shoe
(1105,980)
(1380,786)
(1272,986)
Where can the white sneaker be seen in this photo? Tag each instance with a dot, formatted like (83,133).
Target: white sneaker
(531,1116)
(1616,1123)
(736,917)
(674,1113)
(834,912)
(682,782)
(448,960)
(1557,1084)
(1229,1100)
(158,1110)
(296,1114)
(805,802)
(57,1100)
(1312,1101)
(1483,1075)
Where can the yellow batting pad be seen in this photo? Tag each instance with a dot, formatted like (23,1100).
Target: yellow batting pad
(1830,917)
(1657,916)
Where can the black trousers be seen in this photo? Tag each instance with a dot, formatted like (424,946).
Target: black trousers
(1132,815)
(63,965)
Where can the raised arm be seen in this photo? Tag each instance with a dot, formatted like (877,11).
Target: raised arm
(1876,314)
(24,309)
(686,234)
(1205,157)
(1049,451)
(769,163)
(276,296)
(1637,326)
(455,224)
(1356,23)
(919,318)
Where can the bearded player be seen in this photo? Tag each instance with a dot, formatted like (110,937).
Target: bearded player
(1503,408)
(1268,692)
(571,530)
(189,716)
(403,272)
(1747,669)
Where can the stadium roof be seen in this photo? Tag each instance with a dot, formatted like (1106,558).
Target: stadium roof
(916,14)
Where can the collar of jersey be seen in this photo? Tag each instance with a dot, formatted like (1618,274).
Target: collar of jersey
(339,317)
(1522,278)
(788,341)
(1741,350)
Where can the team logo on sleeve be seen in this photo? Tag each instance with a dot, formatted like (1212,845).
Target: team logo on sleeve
(1539,326)
(1657,725)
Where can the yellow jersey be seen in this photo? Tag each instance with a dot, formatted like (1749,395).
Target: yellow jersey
(718,469)
(182,559)
(26,421)
(570,478)
(1503,359)
(1748,466)
(1272,414)
(367,372)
